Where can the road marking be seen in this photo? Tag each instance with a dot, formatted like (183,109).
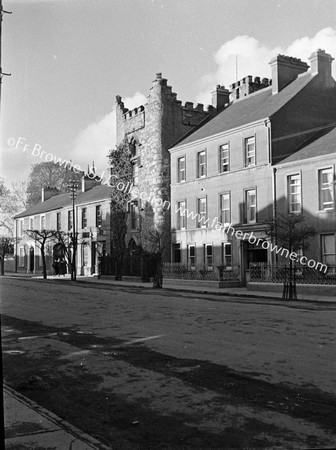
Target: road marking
(40,336)
(14,352)
(144,339)
(80,353)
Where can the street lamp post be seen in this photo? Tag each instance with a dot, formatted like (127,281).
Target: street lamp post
(72,187)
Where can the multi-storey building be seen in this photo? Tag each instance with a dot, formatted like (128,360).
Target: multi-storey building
(305,183)
(261,155)
(55,212)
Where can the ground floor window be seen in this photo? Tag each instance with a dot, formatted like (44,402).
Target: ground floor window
(227,255)
(208,256)
(177,253)
(85,255)
(191,256)
(328,249)
(21,257)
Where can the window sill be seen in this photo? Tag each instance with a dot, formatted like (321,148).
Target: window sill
(328,211)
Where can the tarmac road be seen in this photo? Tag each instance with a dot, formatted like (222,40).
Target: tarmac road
(147,369)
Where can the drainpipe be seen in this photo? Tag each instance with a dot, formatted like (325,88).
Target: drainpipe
(16,247)
(275,211)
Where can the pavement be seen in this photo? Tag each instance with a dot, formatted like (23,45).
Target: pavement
(187,286)
(30,426)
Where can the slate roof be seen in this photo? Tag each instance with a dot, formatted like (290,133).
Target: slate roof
(259,105)
(322,144)
(63,200)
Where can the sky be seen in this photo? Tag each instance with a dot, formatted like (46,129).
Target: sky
(69,59)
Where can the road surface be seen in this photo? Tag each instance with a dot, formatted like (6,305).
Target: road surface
(142,369)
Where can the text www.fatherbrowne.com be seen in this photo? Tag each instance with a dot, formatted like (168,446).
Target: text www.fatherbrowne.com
(202,221)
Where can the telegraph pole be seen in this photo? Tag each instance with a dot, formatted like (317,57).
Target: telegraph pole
(72,187)
(2,74)
(2,12)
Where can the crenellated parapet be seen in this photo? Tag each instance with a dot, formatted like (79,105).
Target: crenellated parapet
(247,86)
(128,120)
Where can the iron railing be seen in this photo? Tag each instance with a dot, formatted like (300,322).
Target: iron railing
(199,272)
(265,273)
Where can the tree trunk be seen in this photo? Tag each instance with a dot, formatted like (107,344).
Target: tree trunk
(44,262)
(158,278)
(119,271)
(2,265)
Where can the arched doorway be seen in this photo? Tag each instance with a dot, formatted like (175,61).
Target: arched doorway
(59,255)
(133,259)
(31,259)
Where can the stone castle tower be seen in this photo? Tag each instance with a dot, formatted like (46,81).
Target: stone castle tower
(154,127)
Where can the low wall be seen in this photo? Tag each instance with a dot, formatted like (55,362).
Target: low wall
(173,282)
(311,289)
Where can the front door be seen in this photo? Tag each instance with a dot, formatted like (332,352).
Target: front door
(31,259)
(93,257)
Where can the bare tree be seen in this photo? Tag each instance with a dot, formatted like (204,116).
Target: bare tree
(41,237)
(6,248)
(156,239)
(290,231)
(66,243)
(48,174)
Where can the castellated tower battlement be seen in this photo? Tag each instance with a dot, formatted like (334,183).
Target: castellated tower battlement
(247,86)
(152,128)
(161,92)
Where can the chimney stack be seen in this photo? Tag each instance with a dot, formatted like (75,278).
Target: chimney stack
(220,97)
(321,64)
(285,69)
(89,181)
(49,192)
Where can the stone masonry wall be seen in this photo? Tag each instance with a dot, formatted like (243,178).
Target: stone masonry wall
(155,126)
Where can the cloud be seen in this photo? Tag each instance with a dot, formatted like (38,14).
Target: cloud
(252,58)
(93,143)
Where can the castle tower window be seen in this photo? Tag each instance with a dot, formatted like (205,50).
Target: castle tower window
(134,210)
(135,174)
